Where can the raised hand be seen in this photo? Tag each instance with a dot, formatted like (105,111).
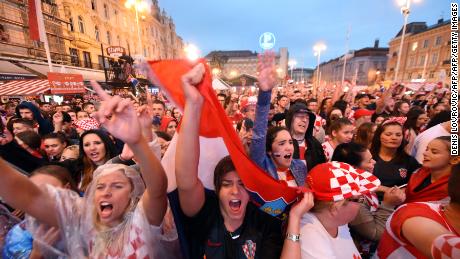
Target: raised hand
(267,72)
(118,116)
(303,206)
(189,82)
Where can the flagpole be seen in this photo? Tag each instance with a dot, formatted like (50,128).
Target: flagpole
(346,53)
(42,31)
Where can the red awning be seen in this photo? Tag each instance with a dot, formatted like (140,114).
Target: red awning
(25,87)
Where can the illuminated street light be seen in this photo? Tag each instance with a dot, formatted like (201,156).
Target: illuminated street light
(215,71)
(139,6)
(191,52)
(233,73)
(405,10)
(317,48)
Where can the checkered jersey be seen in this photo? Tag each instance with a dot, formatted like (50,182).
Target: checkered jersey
(87,124)
(446,246)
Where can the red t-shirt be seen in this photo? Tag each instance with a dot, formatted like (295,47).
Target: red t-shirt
(393,244)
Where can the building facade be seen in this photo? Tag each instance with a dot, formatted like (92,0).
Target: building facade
(365,66)
(425,55)
(79,31)
(233,63)
(301,74)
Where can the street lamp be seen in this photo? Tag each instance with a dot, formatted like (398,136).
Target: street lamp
(139,6)
(317,49)
(405,10)
(292,63)
(191,52)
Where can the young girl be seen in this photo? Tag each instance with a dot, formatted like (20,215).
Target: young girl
(341,131)
(273,149)
(393,166)
(416,121)
(429,183)
(121,213)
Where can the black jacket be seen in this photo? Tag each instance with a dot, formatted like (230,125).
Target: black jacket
(45,126)
(314,153)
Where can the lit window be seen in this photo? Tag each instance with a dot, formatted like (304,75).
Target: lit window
(414,46)
(96,33)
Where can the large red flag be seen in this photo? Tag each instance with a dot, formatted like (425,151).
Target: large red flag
(272,196)
(36,24)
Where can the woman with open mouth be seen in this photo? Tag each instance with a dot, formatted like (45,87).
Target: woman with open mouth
(273,149)
(122,212)
(221,223)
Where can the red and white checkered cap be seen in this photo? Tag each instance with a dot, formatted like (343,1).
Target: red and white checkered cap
(87,124)
(336,181)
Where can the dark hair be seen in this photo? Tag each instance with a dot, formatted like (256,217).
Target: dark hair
(59,172)
(360,96)
(222,95)
(159,102)
(86,104)
(383,115)
(350,153)
(311,100)
(441,117)
(342,105)
(323,103)
(453,184)
(412,117)
(363,134)
(224,166)
(271,135)
(163,135)
(57,135)
(26,122)
(30,138)
(398,105)
(281,97)
(337,124)
(88,166)
(376,144)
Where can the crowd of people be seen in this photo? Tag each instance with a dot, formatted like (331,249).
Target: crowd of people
(372,168)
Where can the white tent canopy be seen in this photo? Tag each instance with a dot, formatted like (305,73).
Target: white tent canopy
(218,84)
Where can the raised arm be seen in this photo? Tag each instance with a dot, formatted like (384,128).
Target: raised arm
(20,193)
(124,124)
(381,102)
(267,80)
(190,188)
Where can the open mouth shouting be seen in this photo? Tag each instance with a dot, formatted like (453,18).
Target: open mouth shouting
(235,205)
(105,209)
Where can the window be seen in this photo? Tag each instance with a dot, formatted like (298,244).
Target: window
(96,33)
(81,25)
(118,40)
(103,62)
(361,67)
(74,59)
(109,40)
(93,4)
(409,76)
(71,24)
(425,44)
(438,41)
(434,58)
(87,59)
(431,74)
(411,61)
(106,11)
(422,61)
(414,46)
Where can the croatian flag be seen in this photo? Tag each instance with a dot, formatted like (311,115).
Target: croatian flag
(217,139)
(36,25)
(133,80)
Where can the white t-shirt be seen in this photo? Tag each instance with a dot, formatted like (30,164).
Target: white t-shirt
(315,241)
(422,140)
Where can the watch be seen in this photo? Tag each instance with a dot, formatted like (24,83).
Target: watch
(293,237)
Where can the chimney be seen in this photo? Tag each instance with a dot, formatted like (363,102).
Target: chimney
(376,43)
(440,21)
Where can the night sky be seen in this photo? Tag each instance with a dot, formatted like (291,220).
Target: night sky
(297,25)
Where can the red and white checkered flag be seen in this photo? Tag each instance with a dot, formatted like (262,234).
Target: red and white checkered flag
(446,246)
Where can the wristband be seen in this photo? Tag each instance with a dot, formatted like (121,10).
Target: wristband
(293,237)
